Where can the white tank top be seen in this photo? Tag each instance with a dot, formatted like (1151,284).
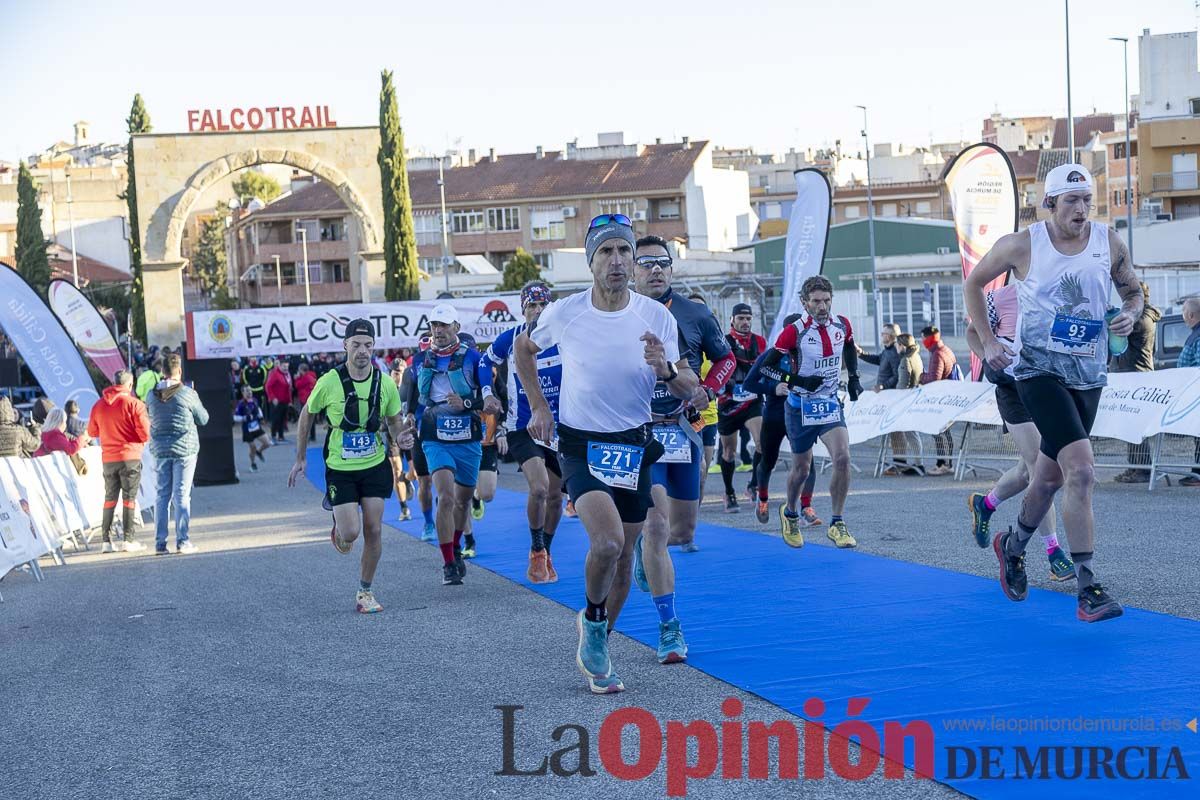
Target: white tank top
(1061,303)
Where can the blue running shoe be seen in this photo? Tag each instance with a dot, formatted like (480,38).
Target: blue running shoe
(690,547)
(981,520)
(592,653)
(430,533)
(639,569)
(672,649)
(610,685)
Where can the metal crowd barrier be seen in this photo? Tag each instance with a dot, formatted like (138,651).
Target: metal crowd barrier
(987,448)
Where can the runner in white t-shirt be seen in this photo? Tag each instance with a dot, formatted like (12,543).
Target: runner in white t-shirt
(615,346)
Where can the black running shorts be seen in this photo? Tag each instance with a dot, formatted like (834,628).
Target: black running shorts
(487,459)
(1063,415)
(522,447)
(731,424)
(350,486)
(577,478)
(420,465)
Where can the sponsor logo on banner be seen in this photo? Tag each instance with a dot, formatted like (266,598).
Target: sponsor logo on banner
(221,329)
(495,320)
(1187,402)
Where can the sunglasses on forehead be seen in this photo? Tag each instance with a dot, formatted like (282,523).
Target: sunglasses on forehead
(608,219)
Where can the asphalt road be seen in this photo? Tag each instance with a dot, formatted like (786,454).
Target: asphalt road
(243,672)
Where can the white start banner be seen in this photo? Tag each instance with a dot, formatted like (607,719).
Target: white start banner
(1133,407)
(295,330)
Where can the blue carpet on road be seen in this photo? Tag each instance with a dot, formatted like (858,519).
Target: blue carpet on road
(921,643)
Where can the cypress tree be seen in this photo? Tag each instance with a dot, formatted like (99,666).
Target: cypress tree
(32,261)
(399,237)
(138,121)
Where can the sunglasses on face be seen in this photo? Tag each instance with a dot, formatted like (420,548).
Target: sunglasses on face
(608,219)
(650,262)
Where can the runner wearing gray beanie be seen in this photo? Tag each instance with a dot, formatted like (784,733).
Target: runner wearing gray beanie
(613,230)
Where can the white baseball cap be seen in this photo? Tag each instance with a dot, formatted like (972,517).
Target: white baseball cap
(1067,178)
(444,313)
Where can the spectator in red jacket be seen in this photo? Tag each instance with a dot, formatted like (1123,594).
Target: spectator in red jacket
(941,364)
(120,422)
(55,438)
(279,398)
(306,379)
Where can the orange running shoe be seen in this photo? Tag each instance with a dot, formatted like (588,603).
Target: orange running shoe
(551,573)
(537,572)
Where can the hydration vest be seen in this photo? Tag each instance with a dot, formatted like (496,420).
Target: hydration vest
(350,420)
(463,383)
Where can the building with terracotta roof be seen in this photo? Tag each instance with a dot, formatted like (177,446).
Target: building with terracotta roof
(92,272)
(1168,126)
(543,201)
(256,238)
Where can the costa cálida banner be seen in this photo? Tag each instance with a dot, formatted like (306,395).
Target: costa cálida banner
(808,231)
(294,330)
(87,327)
(43,344)
(983,194)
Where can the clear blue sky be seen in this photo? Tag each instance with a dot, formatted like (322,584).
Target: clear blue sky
(515,75)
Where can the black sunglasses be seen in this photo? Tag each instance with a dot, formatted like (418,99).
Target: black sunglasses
(650,262)
(608,219)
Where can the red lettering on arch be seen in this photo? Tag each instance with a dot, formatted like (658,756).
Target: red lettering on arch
(306,118)
(206,121)
(193,119)
(234,116)
(289,116)
(254,118)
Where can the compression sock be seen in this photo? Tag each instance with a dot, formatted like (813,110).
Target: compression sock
(447,552)
(1020,538)
(364,586)
(990,501)
(1083,570)
(536,543)
(547,538)
(754,470)
(665,603)
(428,513)
(727,468)
(596,612)
(806,500)
(458,539)
(1050,542)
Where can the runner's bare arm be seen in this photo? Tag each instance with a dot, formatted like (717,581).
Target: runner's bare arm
(400,428)
(973,342)
(1011,252)
(1128,286)
(302,428)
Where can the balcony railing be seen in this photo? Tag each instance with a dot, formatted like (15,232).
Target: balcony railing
(1177,181)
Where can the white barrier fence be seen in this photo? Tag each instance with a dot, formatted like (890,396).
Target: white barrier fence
(1161,409)
(45,502)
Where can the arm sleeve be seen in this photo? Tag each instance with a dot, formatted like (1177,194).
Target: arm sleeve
(483,371)
(758,380)
(719,372)
(850,357)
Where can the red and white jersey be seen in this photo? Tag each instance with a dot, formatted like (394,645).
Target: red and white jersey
(816,350)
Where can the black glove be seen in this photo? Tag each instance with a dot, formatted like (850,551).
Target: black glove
(854,387)
(809,383)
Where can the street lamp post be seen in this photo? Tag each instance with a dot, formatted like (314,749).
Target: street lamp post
(278,282)
(304,250)
(71,221)
(1128,169)
(1070,116)
(871,230)
(445,225)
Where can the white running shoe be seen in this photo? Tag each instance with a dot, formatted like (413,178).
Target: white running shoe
(187,548)
(134,547)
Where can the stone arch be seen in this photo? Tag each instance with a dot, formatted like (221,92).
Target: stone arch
(218,168)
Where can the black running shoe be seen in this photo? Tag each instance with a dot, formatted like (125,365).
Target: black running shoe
(1095,605)
(459,565)
(1013,580)
(450,575)
(731,504)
